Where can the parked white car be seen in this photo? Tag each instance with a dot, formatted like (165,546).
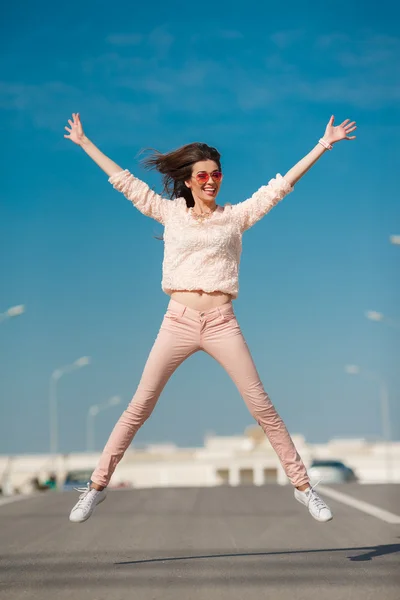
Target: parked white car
(330,471)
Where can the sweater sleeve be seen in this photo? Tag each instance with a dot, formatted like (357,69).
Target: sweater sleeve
(148,202)
(252,210)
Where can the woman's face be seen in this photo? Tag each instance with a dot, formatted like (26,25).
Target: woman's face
(205,181)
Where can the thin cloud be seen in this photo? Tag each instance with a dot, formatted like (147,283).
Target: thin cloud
(158,42)
(230,34)
(223,88)
(218,34)
(329,40)
(363,76)
(124,39)
(49,106)
(358,93)
(161,40)
(366,51)
(285,38)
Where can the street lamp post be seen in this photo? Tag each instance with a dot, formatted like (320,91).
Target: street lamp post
(13,311)
(384,409)
(92,413)
(53,412)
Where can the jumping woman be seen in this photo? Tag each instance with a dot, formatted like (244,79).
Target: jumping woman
(202,248)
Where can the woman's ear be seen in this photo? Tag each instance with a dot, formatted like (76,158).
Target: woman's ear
(188,184)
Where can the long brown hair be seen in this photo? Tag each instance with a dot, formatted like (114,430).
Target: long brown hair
(176,167)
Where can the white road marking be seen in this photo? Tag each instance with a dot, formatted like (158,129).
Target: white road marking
(370,509)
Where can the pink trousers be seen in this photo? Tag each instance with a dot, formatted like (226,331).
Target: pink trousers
(183,332)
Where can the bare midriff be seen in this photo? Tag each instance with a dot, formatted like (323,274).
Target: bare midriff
(199,300)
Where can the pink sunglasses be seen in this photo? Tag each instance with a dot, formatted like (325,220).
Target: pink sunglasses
(203,177)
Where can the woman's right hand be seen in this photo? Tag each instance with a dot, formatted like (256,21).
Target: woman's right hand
(75,131)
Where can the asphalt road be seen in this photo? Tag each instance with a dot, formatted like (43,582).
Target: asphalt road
(222,543)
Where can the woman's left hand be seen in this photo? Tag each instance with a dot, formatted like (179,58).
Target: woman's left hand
(340,132)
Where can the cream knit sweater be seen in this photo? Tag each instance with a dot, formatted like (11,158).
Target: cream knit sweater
(201,255)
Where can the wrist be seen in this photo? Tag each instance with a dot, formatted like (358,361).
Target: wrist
(328,140)
(85,142)
(324,141)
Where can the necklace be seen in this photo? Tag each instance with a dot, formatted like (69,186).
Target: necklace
(201,216)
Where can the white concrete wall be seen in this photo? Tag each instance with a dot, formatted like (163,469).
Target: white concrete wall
(171,466)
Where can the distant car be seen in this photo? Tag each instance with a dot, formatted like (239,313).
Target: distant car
(77,479)
(330,471)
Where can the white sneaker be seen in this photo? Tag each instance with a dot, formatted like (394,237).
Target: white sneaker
(86,504)
(316,506)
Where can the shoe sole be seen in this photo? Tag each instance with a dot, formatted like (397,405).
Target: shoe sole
(90,514)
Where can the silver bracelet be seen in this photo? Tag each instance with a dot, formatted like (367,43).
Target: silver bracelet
(325,144)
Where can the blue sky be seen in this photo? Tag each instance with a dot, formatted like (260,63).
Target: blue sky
(260,84)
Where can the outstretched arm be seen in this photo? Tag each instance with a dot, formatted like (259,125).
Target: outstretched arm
(332,136)
(252,210)
(76,135)
(148,202)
